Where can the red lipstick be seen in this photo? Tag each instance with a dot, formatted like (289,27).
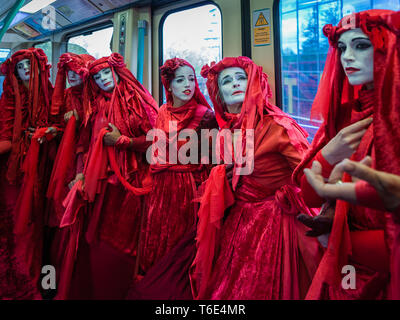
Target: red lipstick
(351,70)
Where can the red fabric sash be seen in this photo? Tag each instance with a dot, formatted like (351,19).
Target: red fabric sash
(29,218)
(218,196)
(95,172)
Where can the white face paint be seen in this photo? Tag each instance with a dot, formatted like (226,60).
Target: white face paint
(104,79)
(232,83)
(357,56)
(73,78)
(183,85)
(24,69)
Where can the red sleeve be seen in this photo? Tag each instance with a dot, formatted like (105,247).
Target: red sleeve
(367,196)
(287,149)
(311,198)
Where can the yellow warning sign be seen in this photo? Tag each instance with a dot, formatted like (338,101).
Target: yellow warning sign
(261,21)
(262,36)
(262,27)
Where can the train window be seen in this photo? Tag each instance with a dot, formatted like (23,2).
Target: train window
(96,43)
(304,48)
(48,50)
(4,54)
(193,34)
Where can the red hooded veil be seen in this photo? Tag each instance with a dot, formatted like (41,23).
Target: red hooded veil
(255,104)
(22,108)
(65,100)
(129,100)
(187,116)
(334,91)
(186,113)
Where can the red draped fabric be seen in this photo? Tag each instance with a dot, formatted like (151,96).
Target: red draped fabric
(340,105)
(25,174)
(107,243)
(67,164)
(65,100)
(256,249)
(170,210)
(386,119)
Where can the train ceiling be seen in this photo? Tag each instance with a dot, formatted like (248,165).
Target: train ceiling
(68,13)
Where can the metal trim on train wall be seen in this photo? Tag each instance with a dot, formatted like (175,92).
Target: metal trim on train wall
(246,28)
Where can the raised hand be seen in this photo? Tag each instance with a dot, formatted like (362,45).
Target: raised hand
(346,142)
(386,184)
(110,138)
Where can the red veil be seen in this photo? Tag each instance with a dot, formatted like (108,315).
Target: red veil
(76,63)
(254,105)
(186,113)
(21,109)
(218,194)
(39,94)
(128,97)
(65,100)
(382,28)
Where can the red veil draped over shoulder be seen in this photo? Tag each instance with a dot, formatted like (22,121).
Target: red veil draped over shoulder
(17,116)
(65,100)
(334,92)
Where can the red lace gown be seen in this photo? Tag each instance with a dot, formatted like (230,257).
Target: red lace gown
(369,241)
(170,211)
(262,251)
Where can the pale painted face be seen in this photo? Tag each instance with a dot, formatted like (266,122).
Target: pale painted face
(232,83)
(24,69)
(183,85)
(357,56)
(73,78)
(104,79)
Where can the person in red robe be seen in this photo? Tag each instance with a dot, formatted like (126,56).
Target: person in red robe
(171,212)
(69,104)
(249,242)
(358,84)
(27,150)
(108,203)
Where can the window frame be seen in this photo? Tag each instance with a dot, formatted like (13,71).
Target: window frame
(87,31)
(279,87)
(161,37)
(278,59)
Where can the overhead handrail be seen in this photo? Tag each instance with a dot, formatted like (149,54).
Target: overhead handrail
(10,17)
